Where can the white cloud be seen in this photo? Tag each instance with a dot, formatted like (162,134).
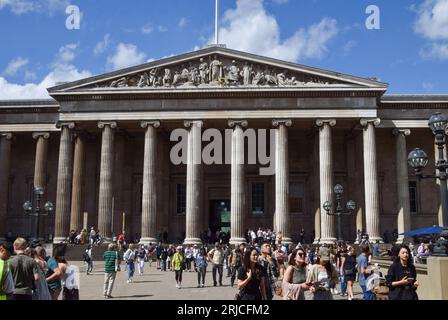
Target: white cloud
(67,53)
(30,76)
(432,21)
(125,55)
(182,22)
(147,29)
(102,46)
(437,51)
(250,28)
(14,66)
(62,71)
(20,7)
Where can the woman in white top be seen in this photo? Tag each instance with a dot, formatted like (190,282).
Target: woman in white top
(321,276)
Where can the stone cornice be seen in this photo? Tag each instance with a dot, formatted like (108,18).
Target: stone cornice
(29,127)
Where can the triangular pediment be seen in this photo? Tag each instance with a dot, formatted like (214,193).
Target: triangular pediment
(216,68)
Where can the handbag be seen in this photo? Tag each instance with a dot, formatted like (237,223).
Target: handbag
(278,288)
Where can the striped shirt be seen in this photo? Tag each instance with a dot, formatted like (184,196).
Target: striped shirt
(109,261)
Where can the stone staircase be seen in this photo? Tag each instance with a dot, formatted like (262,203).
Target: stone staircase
(75,252)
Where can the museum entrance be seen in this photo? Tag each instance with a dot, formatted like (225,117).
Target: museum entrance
(219,217)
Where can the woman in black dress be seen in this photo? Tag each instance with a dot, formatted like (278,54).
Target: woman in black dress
(251,277)
(402,277)
(349,270)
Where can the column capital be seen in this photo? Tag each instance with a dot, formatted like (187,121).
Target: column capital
(285,122)
(70,125)
(375,121)
(37,135)
(153,123)
(405,132)
(6,135)
(102,124)
(322,122)
(234,123)
(190,123)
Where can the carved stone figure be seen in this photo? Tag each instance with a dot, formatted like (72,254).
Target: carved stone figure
(216,69)
(233,73)
(177,78)
(153,75)
(194,74)
(167,78)
(203,71)
(259,78)
(269,78)
(119,83)
(144,80)
(246,74)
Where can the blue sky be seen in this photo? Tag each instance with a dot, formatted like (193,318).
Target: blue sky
(409,51)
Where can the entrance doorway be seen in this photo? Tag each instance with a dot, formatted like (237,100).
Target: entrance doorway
(219,215)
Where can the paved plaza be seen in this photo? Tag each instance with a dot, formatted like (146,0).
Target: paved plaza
(158,285)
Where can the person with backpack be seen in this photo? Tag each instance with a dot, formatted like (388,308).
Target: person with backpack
(163,258)
(216,256)
(6,281)
(178,264)
(87,255)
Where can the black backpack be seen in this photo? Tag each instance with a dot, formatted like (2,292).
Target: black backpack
(86,256)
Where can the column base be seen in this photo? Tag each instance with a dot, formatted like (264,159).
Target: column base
(147,241)
(287,240)
(57,240)
(237,241)
(328,240)
(188,241)
(374,239)
(316,241)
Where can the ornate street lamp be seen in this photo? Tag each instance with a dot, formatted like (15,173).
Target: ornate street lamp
(418,160)
(351,206)
(36,210)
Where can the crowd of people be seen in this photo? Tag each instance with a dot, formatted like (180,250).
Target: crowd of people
(27,273)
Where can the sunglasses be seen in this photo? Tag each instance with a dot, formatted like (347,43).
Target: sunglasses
(301,254)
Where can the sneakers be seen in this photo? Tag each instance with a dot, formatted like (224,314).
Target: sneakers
(202,285)
(177,285)
(180,286)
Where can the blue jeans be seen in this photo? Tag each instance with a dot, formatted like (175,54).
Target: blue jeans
(343,283)
(131,269)
(368,295)
(163,265)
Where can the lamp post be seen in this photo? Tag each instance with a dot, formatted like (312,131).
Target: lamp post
(36,210)
(351,205)
(418,160)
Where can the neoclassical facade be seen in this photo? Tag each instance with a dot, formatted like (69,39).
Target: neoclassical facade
(102,148)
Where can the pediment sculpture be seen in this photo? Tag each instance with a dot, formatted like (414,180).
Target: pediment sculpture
(215,71)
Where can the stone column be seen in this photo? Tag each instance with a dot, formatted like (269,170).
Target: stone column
(77,210)
(106,185)
(238,186)
(404,214)
(149,199)
(326,178)
(316,186)
(282,219)
(40,170)
(64,183)
(5,164)
(194,183)
(371,179)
